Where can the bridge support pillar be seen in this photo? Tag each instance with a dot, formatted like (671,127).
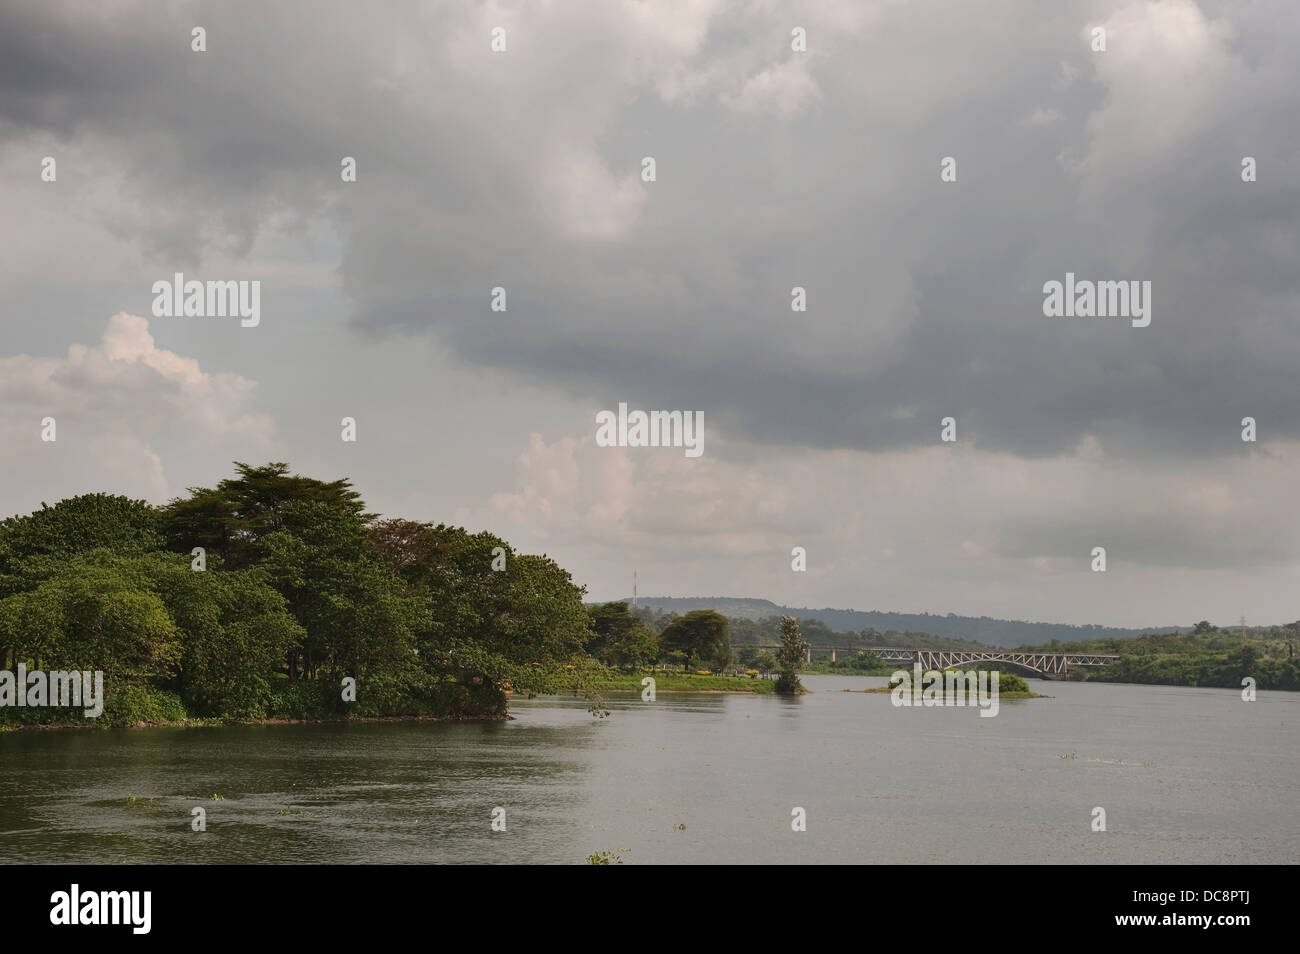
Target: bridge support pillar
(832,655)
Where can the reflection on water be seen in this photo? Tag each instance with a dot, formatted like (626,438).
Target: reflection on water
(1185,775)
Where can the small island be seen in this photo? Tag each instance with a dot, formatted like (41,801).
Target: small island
(1010,686)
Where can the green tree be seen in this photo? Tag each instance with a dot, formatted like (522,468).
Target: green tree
(300,580)
(33,547)
(1243,661)
(230,518)
(310,536)
(639,647)
(494,615)
(357,614)
(790,656)
(238,631)
(216,639)
(91,614)
(619,638)
(700,633)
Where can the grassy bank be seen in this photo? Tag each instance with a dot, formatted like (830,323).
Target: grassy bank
(139,706)
(676,682)
(1010,686)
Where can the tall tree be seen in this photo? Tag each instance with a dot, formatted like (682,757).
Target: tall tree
(240,510)
(619,638)
(33,547)
(704,634)
(494,614)
(93,614)
(357,614)
(790,656)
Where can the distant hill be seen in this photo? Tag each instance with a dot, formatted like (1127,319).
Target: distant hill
(993,632)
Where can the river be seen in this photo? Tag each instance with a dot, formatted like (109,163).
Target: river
(1185,776)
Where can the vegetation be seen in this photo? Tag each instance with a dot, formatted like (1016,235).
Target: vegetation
(621,639)
(1010,686)
(298,589)
(1204,655)
(1207,656)
(697,639)
(855,664)
(748,635)
(790,656)
(667,680)
(942,628)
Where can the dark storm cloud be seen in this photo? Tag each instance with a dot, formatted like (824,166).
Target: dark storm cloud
(925,300)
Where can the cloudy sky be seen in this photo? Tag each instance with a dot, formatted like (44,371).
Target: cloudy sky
(775,168)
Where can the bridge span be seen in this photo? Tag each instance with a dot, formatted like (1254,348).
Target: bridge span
(1048,664)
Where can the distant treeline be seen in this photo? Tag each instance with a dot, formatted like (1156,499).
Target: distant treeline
(767,631)
(702,639)
(1203,656)
(982,629)
(1207,656)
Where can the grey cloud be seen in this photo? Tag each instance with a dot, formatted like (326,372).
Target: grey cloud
(476,172)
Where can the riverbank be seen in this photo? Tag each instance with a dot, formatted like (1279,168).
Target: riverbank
(202,723)
(670,682)
(127,704)
(677,682)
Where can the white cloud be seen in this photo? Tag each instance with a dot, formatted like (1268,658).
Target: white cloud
(1167,69)
(117,405)
(944,529)
(782,90)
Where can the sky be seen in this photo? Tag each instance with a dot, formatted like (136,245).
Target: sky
(794,145)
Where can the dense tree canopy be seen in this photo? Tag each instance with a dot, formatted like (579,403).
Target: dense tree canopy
(33,547)
(232,517)
(619,638)
(702,635)
(790,656)
(507,617)
(300,589)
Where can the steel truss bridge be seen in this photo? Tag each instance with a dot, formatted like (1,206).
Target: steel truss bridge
(1049,664)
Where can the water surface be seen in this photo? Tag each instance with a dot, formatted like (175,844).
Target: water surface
(1185,775)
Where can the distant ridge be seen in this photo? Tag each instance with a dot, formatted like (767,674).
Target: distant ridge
(992,632)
